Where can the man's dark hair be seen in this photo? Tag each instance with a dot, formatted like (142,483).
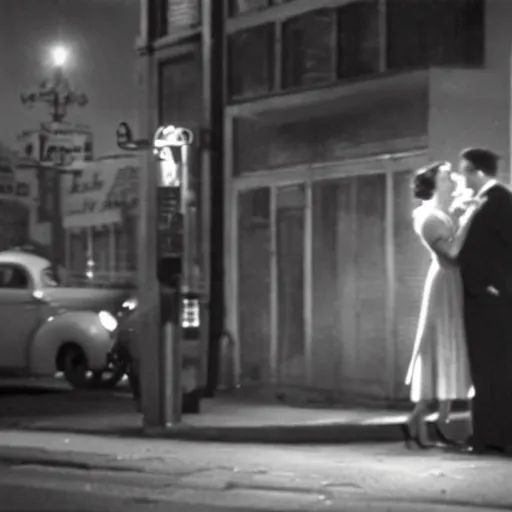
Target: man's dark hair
(482,159)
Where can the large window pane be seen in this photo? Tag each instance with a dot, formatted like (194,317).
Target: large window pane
(371,304)
(180,90)
(308,49)
(332,263)
(251,62)
(290,284)
(349,285)
(254,285)
(358,39)
(435,32)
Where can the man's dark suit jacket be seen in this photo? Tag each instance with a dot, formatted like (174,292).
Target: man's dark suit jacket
(486,256)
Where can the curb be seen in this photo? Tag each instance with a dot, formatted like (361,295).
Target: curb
(324,433)
(285,434)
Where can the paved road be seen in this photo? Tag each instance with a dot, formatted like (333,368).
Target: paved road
(234,477)
(32,489)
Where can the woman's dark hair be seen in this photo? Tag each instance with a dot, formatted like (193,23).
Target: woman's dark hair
(424,183)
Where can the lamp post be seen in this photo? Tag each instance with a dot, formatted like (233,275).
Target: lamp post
(58,93)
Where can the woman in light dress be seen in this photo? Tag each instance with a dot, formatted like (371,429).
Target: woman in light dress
(439,368)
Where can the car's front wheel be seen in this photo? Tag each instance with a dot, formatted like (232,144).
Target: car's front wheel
(72,361)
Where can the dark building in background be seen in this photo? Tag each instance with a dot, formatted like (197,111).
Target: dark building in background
(317,113)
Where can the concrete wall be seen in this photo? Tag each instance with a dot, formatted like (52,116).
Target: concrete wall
(472,106)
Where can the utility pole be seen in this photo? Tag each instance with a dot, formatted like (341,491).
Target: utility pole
(148,327)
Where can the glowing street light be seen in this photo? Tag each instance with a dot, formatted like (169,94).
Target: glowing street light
(59,55)
(57,92)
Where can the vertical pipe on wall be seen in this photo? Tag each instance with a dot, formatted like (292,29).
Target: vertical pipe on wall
(221,145)
(231,245)
(391,362)
(274,326)
(308,281)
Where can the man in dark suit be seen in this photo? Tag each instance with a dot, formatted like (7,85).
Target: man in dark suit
(486,268)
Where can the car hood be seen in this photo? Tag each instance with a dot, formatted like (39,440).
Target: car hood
(90,299)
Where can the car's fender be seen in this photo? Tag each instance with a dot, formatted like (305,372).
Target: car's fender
(82,328)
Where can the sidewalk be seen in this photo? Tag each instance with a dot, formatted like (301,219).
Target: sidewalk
(223,419)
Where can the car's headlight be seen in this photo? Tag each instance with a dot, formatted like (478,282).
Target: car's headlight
(108,321)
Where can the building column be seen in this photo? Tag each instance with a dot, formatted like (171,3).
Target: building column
(147,283)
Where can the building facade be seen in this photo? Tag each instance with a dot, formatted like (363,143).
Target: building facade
(88,230)
(327,108)
(99,212)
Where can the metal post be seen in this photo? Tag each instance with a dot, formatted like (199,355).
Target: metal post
(172,370)
(171,204)
(186,285)
(56,219)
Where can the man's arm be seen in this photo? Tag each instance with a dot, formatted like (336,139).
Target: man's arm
(500,215)
(499,220)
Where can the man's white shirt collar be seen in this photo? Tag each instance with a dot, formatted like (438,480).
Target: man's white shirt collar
(486,187)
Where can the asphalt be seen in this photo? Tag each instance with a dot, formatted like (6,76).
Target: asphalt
(214,476)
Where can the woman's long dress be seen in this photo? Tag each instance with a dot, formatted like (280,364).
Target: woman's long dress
(441,370)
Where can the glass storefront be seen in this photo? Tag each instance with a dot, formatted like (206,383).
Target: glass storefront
(316,304)
(290,210)
(254,254)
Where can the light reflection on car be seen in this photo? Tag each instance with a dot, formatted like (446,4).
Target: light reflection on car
(48,328)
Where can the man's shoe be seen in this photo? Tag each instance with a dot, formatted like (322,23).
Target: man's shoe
(473,447)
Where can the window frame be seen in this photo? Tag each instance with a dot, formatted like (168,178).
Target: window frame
(283,87)
(271,56)
(25,270)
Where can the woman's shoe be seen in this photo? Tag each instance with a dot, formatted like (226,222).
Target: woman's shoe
(410,440)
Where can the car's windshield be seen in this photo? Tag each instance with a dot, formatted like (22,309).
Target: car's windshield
(49,278)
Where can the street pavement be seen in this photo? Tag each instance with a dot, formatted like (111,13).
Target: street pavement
(150,473)
(226,418)
(77,472)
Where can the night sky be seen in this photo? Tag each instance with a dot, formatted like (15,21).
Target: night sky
(101,36)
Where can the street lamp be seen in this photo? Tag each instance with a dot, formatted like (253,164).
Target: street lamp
(59,55)
(57,92)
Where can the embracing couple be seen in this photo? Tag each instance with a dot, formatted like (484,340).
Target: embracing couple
(463,345)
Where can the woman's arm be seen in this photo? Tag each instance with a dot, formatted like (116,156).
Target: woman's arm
(442,240)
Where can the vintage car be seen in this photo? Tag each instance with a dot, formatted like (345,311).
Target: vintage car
(47,328)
